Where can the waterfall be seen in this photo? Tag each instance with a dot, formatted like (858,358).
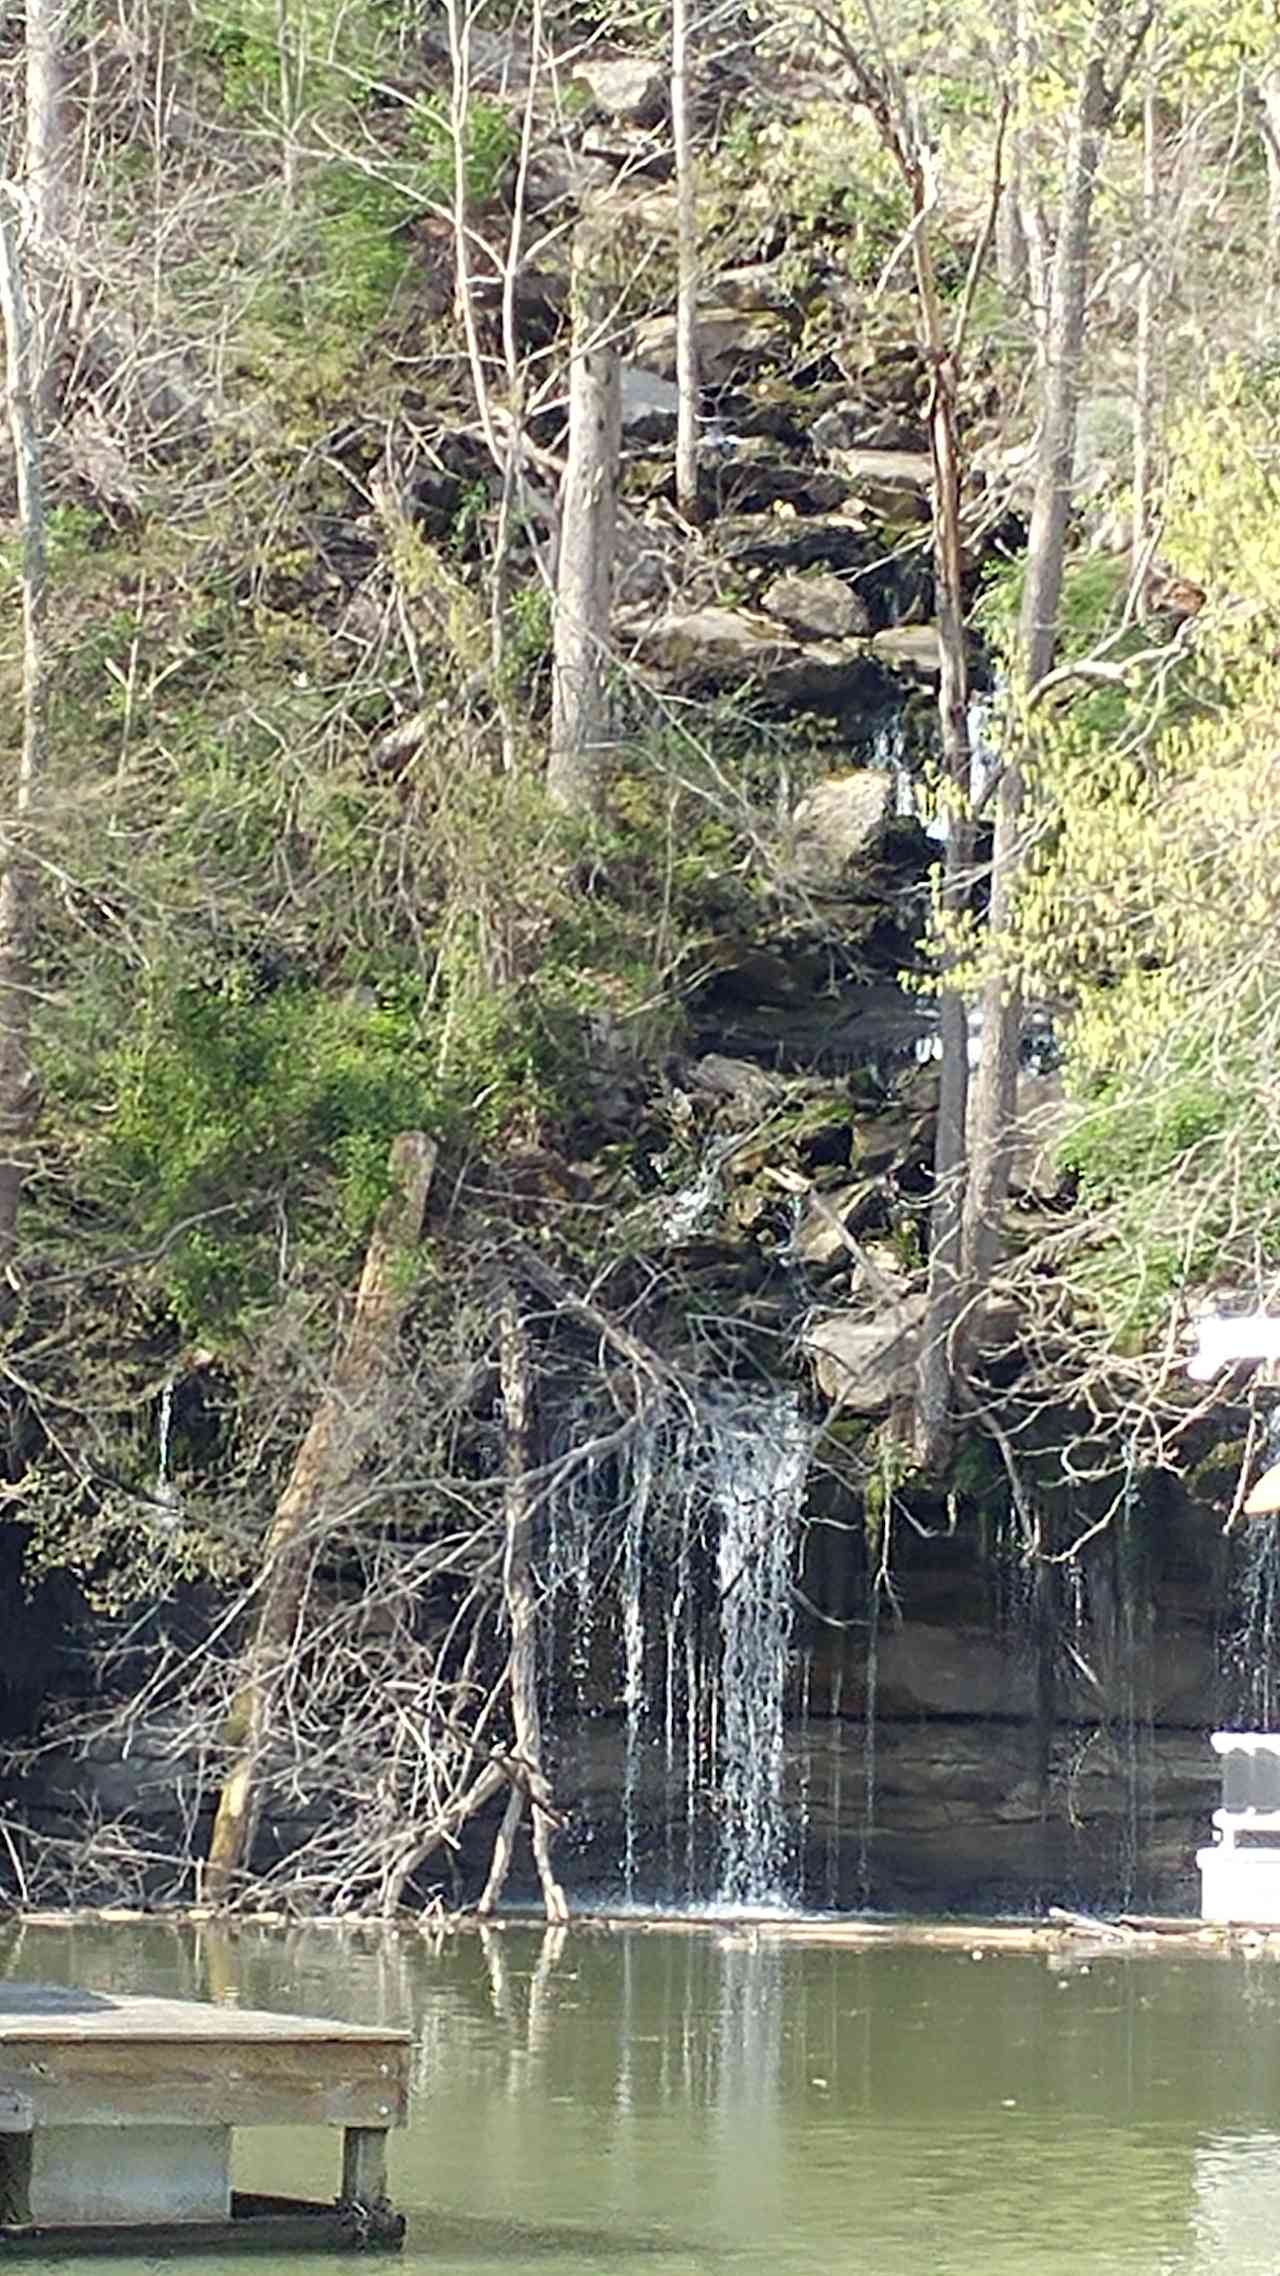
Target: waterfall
(166,1515)
(758,1478)
(1251,1650)
(681,1548)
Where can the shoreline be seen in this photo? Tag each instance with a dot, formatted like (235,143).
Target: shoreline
(1138,1935)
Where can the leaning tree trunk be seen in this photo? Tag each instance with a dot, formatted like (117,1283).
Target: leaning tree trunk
(584,585)
(17,876)
(528,1779)
(994,1101)
(341,1433)
(687,376)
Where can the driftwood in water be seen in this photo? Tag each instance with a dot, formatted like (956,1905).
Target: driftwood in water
(1088,1924)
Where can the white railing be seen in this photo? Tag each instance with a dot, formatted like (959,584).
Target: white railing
(1242,1883)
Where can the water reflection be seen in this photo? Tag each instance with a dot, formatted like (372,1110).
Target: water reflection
(739,2106)
(1237,2202)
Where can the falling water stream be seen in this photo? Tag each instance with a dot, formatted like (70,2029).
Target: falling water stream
(685,1542)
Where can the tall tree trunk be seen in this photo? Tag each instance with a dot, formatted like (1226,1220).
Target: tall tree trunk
(1013,258)
(881,89)
(522,1628)
(18,877)
(46,181)
(1269,100)
(935,1380)
(687,377)
(342,1431)
(1146,390)
(292,69)
(994,1094)
(584,585)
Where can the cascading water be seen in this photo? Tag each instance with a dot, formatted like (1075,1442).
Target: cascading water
(1249,1668)
(1251,1651)
(758,1481)
(683,1544)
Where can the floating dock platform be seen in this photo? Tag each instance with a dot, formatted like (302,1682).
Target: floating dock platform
(116,2117)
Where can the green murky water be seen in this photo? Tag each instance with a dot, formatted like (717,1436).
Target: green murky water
(652,2104)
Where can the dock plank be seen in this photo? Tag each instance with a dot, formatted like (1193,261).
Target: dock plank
(91,2057)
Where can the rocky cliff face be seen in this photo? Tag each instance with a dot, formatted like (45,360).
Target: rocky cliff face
(958,1721)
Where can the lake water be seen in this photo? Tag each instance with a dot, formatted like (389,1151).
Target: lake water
(655,2104)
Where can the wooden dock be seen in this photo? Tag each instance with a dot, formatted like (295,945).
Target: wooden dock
(116,2116)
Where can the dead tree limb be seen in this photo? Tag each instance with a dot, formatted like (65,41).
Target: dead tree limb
(516,1377)
(322,1476)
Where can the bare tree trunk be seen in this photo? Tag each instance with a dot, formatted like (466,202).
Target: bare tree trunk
(522,1624)
(579,707)
(292,68)
(881,88)
(1269,99)
(1146,396)
(687,381)
(46,181)
(994,1096)
(17,878)
(342,1430)
(1013,259)
(935,1381)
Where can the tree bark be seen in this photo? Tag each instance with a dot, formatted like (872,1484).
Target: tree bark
(1013,255)
(18,878)
(584,586)
(687,378)
(882,91)
(1269,100)
(292,69)
(46,182)
(341,1432)
(1146,396)
(994,1094)
(522,1624)
(935,1380)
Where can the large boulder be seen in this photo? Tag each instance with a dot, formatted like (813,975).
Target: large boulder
(911,650)
(628,87)
(733,343)
(822,607)
(852,425)
(759,284)
(826,1220)
(739,476)
(716,647)
(894,485)
(866,1364)
(558,176)
(840,540)
(836,821)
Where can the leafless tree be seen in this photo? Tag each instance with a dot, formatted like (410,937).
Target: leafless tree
(1114,40)
(580,725)
(25,347)
(687,375)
